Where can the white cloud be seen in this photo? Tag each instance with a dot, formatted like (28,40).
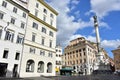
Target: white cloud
(75,1)
(103,7)
(110,43)
(65,23)
(67,26)
(73,4)
(77,14)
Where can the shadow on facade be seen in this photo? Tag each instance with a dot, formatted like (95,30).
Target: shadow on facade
(4,72)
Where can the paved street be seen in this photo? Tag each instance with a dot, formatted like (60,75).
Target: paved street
(94,77)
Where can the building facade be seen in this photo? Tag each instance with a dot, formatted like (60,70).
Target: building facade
(58,58)
(13,19)
(116,54)
(39,54)
(80,54)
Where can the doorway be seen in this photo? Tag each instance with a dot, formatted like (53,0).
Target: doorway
(15,73)
(3,69)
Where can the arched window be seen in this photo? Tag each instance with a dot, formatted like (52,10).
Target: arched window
(41,67)
(49,67)
(30,66)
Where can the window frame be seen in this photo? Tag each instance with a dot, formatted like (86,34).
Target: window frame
(35,25)
(44,18)
(24,15)
(4,4)
(20,39)
(9,36)
(17,56)
(1,15)
(51,22)
(37,5)
(32,50)
(5,55)
(45,11)
(50,43)
(1,32)
(14,9)
(51,15)
(12,21)
(43,41)
(22,25)
(33,37)
(44,30)
(36,12)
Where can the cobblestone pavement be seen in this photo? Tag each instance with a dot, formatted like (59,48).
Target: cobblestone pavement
(93,77)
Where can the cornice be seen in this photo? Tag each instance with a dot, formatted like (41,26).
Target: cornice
(41,21)
(46,5)
(18,5)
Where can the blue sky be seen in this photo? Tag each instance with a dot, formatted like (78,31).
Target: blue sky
(75,20)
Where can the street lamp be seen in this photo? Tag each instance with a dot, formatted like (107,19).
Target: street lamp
(5,29)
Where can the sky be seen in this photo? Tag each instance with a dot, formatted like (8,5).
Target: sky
(75,20)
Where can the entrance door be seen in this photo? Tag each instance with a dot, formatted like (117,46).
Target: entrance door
(3,69)
(15,73)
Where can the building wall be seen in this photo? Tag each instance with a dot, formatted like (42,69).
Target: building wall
(40,52)
(11,45)
(58,58)
(116,54)
(80,55)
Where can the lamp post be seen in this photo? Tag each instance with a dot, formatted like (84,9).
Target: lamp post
(5,28)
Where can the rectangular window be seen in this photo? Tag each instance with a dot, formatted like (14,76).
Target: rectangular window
(44,18)
(79,50)
(1,15)
(51,15)
(5,54)
(32,50)
(33,37)
(24,15)
(22,25)
(0,33)
(9,36)
(84,53)
(42,53)
(45,11)
(4,4)
(15,69)
(17,56)
(83,49)
(51,22)
(43,30)
(50,45)
(37,5)
(20,39)
(80,54)
(35,25)
(36,12)
(84,60)
(51,33)
(43,41)
(80,60)
(50,54)
(14,9)
(12,20)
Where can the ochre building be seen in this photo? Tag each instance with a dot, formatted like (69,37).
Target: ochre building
(80,55)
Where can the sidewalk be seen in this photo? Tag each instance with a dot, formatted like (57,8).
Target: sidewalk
(29,78)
